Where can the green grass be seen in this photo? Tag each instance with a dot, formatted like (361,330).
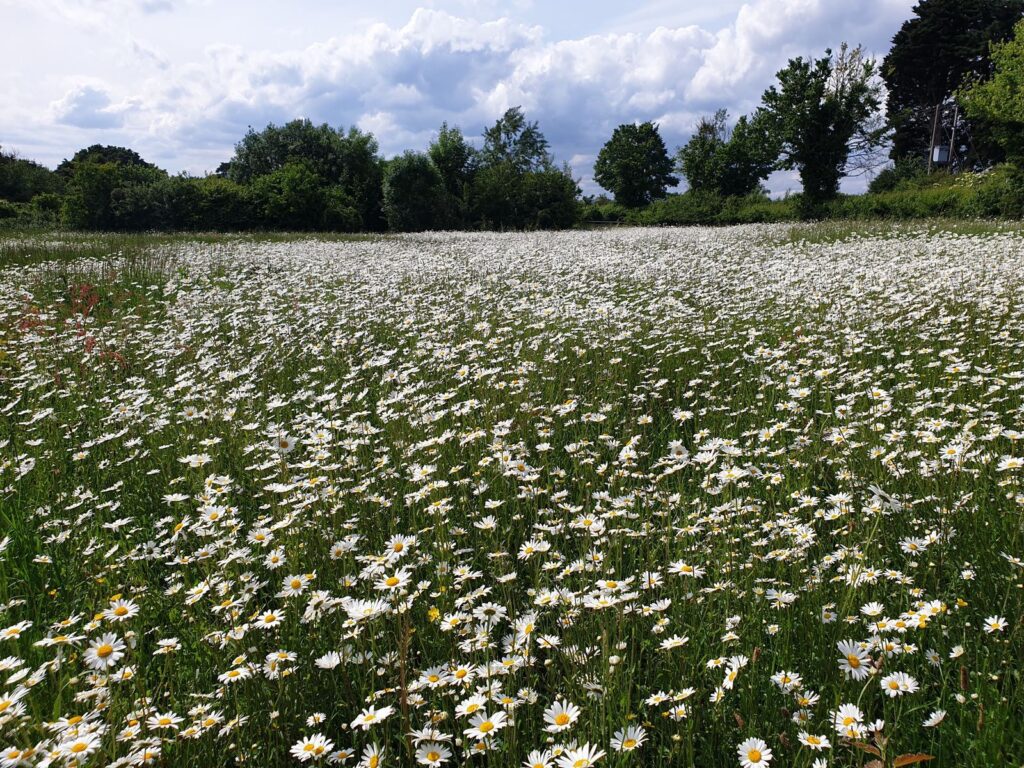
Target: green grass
(430,385)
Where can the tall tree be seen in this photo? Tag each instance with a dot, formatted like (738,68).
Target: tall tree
(21,179)
(102,153)
(516,141)
(348,161)
(455,160)
(730,163)
(999,101)
(943,43)
(414,194)
(824,113)
(634,165)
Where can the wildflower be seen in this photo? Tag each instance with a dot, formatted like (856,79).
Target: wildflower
(560,716)
(754,753)
(104,652)
(581,757)
(995,624)
(371,716)
(898,684)
(629,739)
(815,743)
(313,748)
(934,718)
(433,753)
(484,726)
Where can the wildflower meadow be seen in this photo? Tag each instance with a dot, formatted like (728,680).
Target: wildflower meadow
(706,497)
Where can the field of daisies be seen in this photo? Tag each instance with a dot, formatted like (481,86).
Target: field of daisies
(735,497)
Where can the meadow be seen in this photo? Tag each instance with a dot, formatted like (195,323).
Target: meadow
(667,497)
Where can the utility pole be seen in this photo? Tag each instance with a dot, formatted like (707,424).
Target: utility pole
(931,145)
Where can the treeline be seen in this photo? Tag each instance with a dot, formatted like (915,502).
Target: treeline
(952,78)
(306,177)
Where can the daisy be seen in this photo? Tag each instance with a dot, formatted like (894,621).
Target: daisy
(484,726)
(80,747)
(934,718)
(856,662)
(898,683)
(754,753)
(538,759)
(371,716)
(560,716)
(581,757)
(312,748)
(433,753)
(629,739)
(121,610)
(372,756)
(167,720)
(104,652)
(815,743)
(995,624)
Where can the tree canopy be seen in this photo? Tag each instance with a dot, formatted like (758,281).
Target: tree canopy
(822,113)
(941,45)
(728,162)
(634,165)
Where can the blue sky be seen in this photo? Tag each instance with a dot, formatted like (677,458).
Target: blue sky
(180,80)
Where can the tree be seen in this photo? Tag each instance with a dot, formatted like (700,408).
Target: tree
(414,194)
(944,42)
(824,113)
(294,198)
(92,195)
(634,165)
(728,163)
(102,153)
(21,180)
(346,160)
(516,141)
(549,199)
(263,152)
(999,101)
(455,160)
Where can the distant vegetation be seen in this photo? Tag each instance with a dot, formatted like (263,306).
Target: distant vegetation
(952,81)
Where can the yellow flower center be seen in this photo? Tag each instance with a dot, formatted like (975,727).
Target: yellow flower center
(629,743)
(433,757)
(120,611)
(561,719)
(104,650)
(79,746)
(392,581)
(853,661)
(754,756)
(486,726)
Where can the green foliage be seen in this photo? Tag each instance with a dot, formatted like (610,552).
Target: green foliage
(21,180)
(346,160)
(294,198)
(944,42)
(549,199)
(1000,100)
(102,154)
(414,194)
(729,163)
(905,169)
(95,189)
(516,142)
(634,165)
(455,160)
(821,113)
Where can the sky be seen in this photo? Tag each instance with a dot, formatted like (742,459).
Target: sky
(180,81)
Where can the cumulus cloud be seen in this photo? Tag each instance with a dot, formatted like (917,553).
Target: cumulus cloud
(402,81)
(87,106)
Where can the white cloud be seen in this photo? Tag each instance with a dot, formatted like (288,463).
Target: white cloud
(87,106)
(401,81)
